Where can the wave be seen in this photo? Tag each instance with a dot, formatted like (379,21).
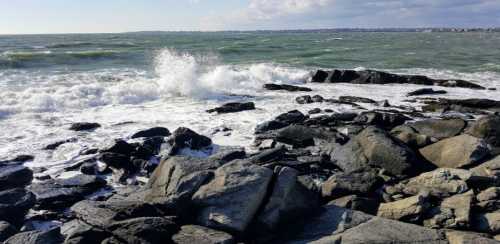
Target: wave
(47,58)
(91,44)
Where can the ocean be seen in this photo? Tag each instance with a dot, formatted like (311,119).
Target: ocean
(132,81)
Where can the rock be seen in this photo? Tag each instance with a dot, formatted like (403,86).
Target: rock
(487,128)
(36,237)
(426,91)
(12,176)
(18,160)
(190,234)
(117,146)
(304,99)
(409,209)
(489,199)
(78,232)
(6,230)
(233,108)
(88,168)
(14,204)
(56,144)
(296,135)
(488,222)
(268,155)
(440,183)
(176,179)
(358,183)
(291,117)
(338,225)
(384,120)
(103,214)
(320,76)
(269,126)
(314,111)
(353,99)
(231,199)
(148,230)
(152,132)
(353,202)
(456,152)
(462,237)
(288,200)
(490,168)
(84,126)
(55,194)
(439,128)
(317,99)
(477,106)
(454,212)
(186,138)
(410,137)
(275,87)
(374,147)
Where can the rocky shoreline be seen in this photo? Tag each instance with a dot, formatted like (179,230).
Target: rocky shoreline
(393,174)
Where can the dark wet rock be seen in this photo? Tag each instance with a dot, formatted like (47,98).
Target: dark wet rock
(425,91)
(288,199)
(37,237)
(234,195)
(304,99)
(56,144)
(233,108)
(456,152)
(148,230)
(339,225)
(374,147)
(84,126)
(190,234)
(487,128)
(176,179)
(379,77)
(89,168)
(59,193)
(354,202)
(6,230)
(353,99)
(410,137)
(103,214)
(12,176)
(117,161)
(347,116)
(475,105)
(317,99)
(489,199)
(186,138)
(152,132)
(78,232)
(440,183)
(268,155)
(314,111)
(18,160)
(269,126)
(296,135)
(90,151)
(409,209)
(227,154)
(292,117)
(439,128)
(275,87)
(454,212)
(384,120)
(14,205)
(487,222)
(117,146)
(357,183)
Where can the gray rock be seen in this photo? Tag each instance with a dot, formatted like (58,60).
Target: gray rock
(454,212)
(409,209)
(456,152)
(186,138)
(288,199)
(440,183)
(80,233)
(152,132)
(489,199)
(233,108)
(36,237)
(338,225)
(13,176)
(490,168)
(410,137)
(14,204)
(6,230)
(487,222)
(374,147)
(487,128)
(296,135)
(231,199)
(462,237)
(145,230)
(439,128)
(358,183)
(190,234)
(353,202)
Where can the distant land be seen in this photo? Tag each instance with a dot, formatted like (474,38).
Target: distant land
(458,30)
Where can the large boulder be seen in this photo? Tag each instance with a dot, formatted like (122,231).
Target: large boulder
(37,237)
(489,168)
(359,183)
(186,138)
(231,199)
(152,132)
(338,225)
(454,212)
(79,232)
(440,183)
(190,234)
(463,237)
(288,199)
(411,137)
(12,176)
(374,147)
(14,204)
(456,152)
(487,128)
(409,209)
(439,128)
(147,230)
(296,135)
(60,193)
(384,120)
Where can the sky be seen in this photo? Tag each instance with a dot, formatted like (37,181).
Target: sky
(103,16)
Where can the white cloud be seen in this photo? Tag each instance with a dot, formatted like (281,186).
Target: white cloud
(267,9)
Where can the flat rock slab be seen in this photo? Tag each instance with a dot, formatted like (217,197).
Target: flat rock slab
(440,183)
(12,176)
(439,128)
(276,87)
(190,234)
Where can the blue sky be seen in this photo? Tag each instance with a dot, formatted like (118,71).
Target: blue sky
(81,16)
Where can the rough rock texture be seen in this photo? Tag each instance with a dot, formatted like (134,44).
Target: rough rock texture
(489,199)
(439,128)
(233,108)
(186,138)
(147,230)
(376,148)
(296,135)
(288,199)
(441,182)
(454,212)
(338,225)
(411,137)
(190,234)
(462,237)
(231,199)
(487,128)
(490,168)
(456,152)
(359,183)
(14,204)
(36,237)
(12,176)
(353,202)
(78,232)
(409,209)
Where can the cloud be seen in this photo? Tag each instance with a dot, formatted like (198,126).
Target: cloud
(291,14)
